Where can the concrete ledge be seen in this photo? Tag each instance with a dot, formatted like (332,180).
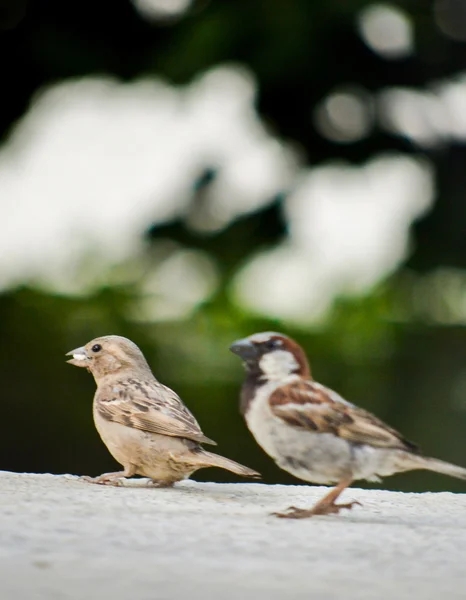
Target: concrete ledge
(65,539)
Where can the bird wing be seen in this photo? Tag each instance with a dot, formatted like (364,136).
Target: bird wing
(149,406)
(306,404)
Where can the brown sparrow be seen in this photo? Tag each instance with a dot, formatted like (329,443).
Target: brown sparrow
(144,424)
(312,432)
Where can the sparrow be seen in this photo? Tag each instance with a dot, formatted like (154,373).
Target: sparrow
(144,424)
(312,432)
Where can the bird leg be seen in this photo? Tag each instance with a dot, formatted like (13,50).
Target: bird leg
(326,506)
(111,478)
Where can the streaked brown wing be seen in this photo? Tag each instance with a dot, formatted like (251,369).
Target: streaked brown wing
(308,405)
(149,406)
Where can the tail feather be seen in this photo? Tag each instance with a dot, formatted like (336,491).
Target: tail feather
(215,460)
(440,466)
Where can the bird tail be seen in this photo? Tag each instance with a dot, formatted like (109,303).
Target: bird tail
(440,466)
(210,459)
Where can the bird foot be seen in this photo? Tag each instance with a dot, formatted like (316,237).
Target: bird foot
(161,484)
(325,509)
(115,479)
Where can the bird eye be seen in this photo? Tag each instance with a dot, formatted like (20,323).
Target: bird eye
(96,348)
(274,343)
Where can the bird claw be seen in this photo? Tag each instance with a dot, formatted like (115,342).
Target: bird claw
(293,513)
(326,509)
(334,509)
(104,480)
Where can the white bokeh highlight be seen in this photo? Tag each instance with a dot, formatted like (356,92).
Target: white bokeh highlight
(427,117)
(159,10)
(345,115)
(185,279)
(387,30)
(95,162)
(349,228)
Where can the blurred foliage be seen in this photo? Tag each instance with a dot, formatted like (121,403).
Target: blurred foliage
(380,351)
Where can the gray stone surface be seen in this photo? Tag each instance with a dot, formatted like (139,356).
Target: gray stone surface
(63,539)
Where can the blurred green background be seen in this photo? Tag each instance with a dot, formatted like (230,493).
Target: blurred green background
(186,173)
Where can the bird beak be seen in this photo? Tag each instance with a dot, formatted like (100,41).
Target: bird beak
(245,349)
(80,357)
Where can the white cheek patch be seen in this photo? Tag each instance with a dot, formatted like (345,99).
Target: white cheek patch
(278,364)
(79,356)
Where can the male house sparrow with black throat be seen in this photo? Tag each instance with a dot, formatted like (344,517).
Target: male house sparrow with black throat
(144,424)
(312,432)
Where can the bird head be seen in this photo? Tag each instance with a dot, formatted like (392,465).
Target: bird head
(272,355)
(110,354)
